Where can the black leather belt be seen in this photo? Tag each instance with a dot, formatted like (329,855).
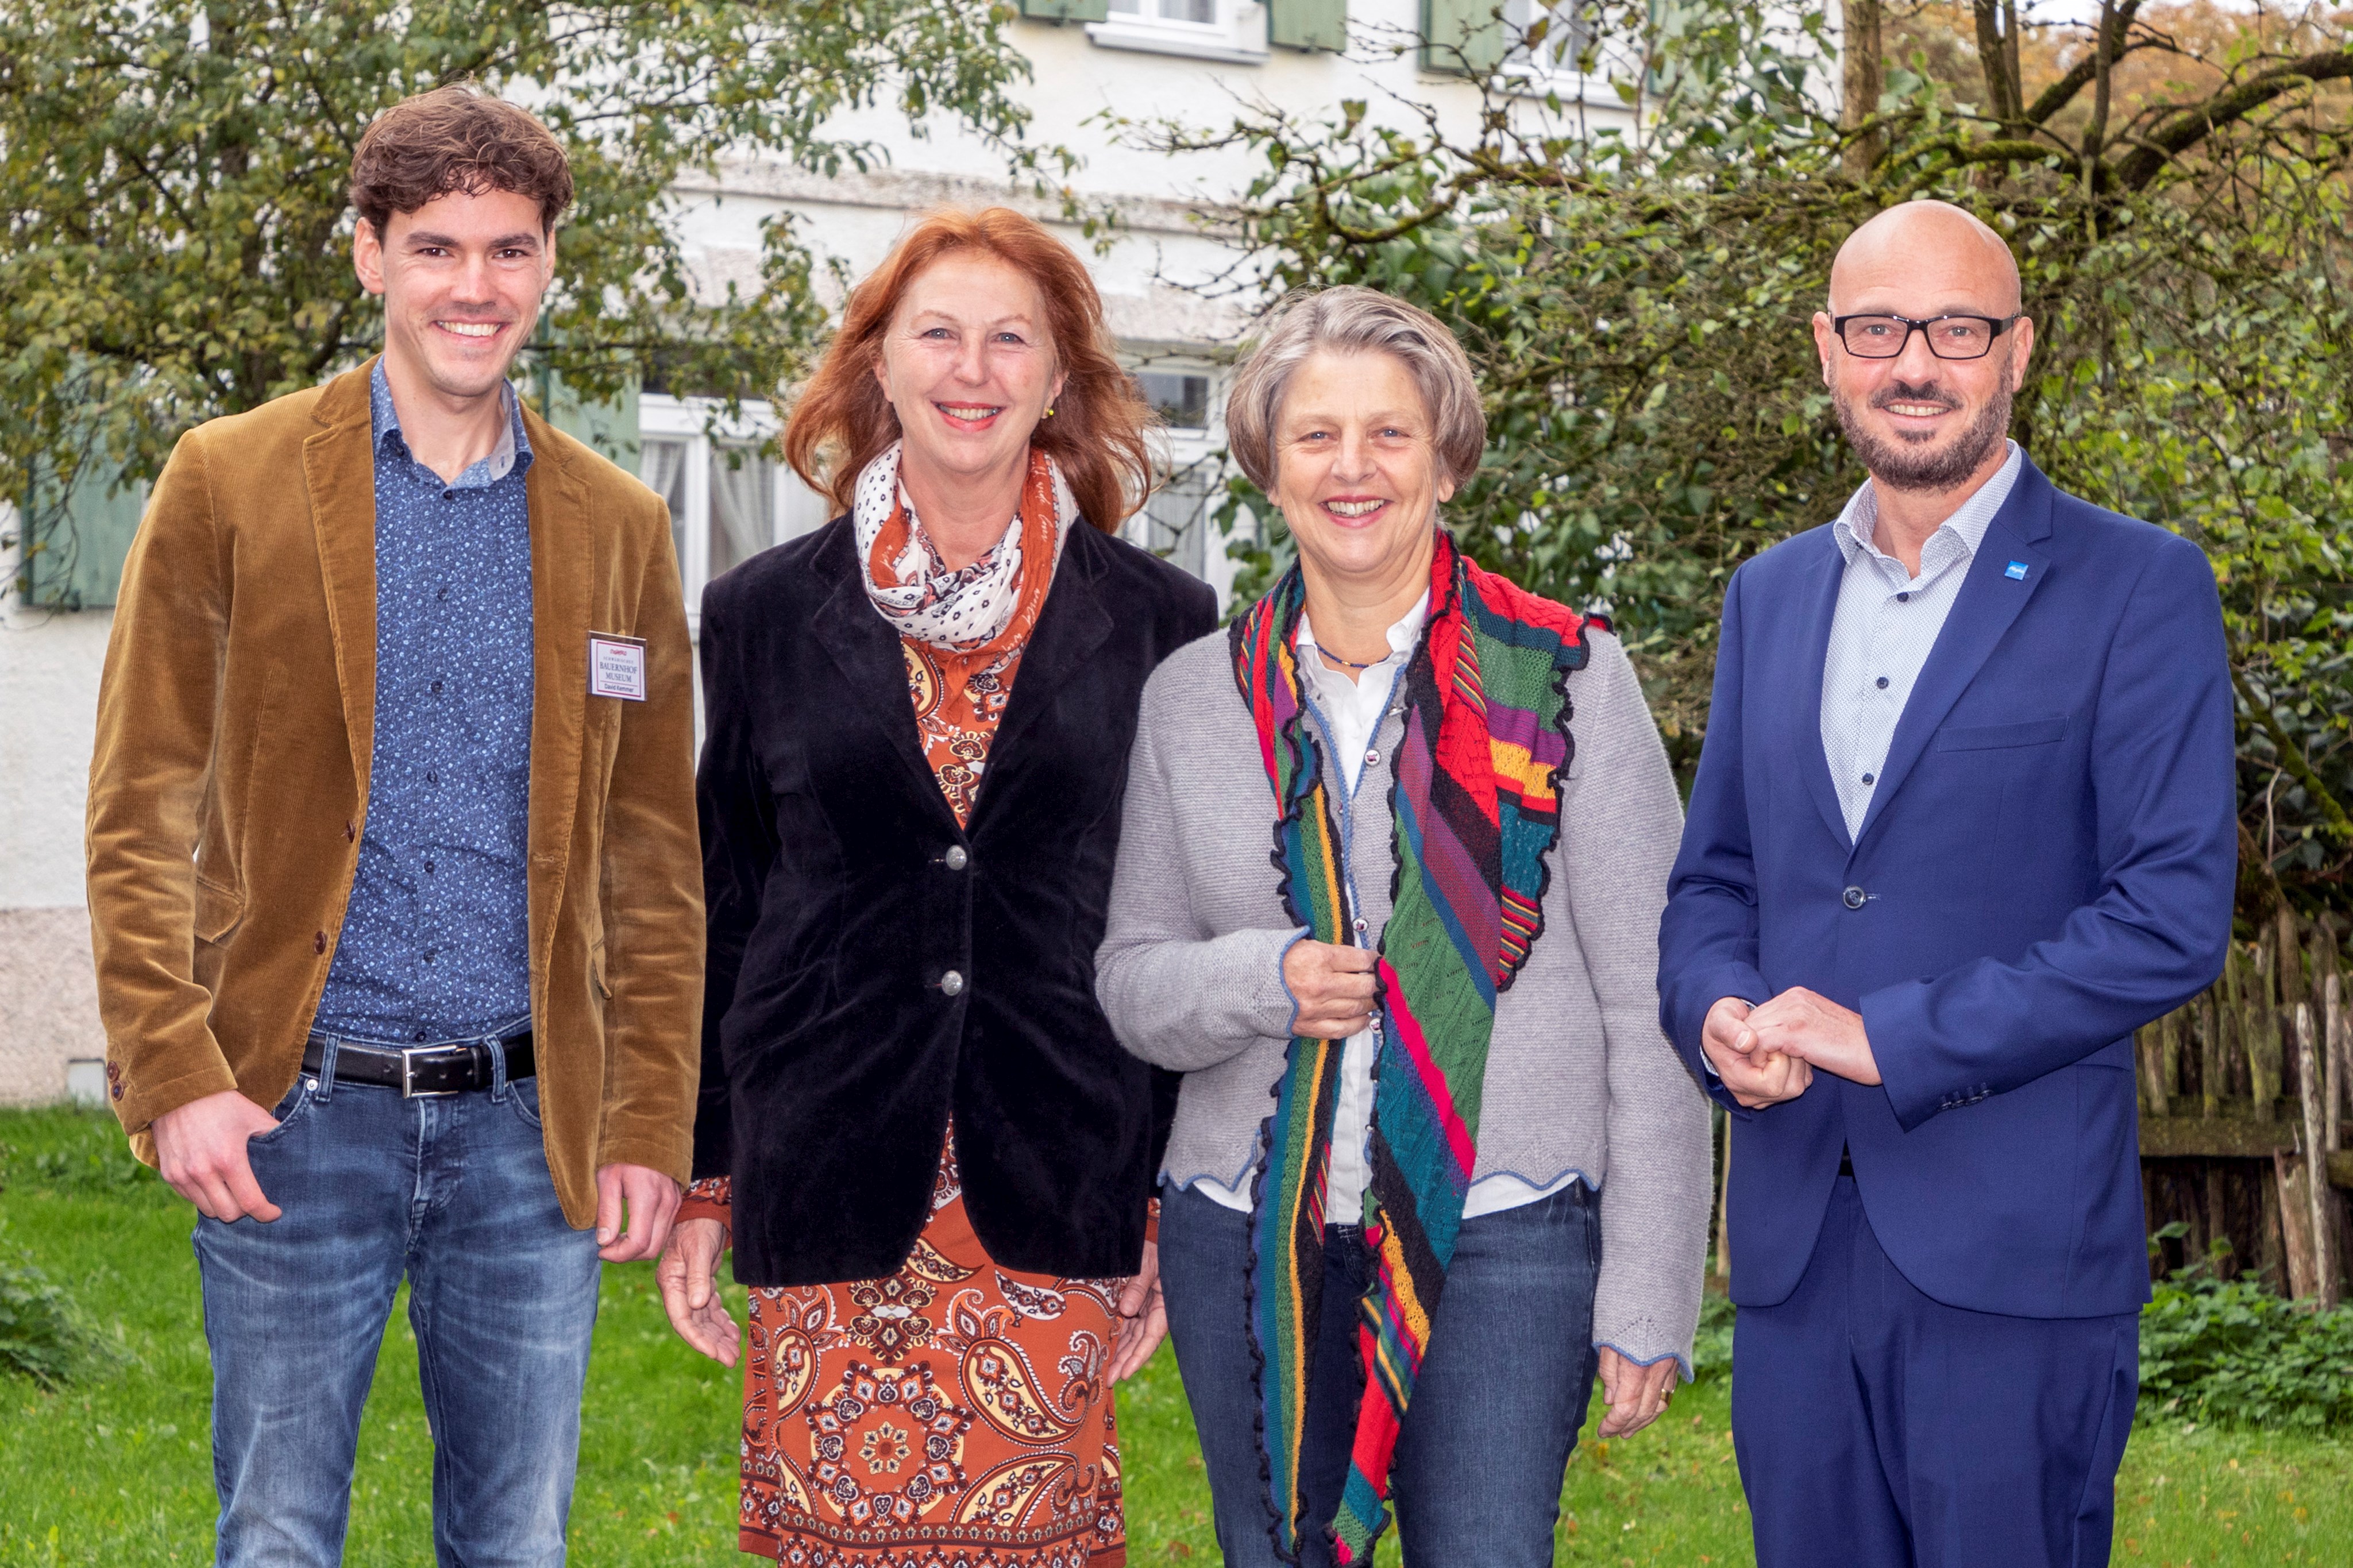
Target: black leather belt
(459,1068)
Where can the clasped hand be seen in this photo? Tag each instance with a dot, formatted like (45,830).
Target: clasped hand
(1768,1054)
(1333,986)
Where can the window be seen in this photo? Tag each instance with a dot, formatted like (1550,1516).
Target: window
(1234,31)
(1177,520)
(1176,523)
(1181,400)
(730,497)
(1569,35)
(1188,12)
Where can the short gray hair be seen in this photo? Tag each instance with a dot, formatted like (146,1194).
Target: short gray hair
(1353,320)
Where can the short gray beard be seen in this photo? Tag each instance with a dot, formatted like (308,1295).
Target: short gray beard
(1904,466)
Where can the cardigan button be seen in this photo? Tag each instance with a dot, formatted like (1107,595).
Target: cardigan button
(952,984)
(957,857)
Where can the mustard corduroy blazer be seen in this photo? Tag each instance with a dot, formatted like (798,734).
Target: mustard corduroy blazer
(229,786)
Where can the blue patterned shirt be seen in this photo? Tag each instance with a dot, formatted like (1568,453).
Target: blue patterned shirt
(435,943)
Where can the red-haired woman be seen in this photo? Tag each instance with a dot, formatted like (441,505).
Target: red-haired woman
(931,1155)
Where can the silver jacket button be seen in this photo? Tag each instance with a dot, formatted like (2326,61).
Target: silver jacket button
(952,984)
(957,858)
(1854,898)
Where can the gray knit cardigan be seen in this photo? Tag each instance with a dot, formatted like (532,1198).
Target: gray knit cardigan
(1579,1077)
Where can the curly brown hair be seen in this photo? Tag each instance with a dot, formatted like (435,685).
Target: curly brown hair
(457,138)
(841,421)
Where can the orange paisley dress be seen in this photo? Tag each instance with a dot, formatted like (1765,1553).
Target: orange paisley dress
(955,1414)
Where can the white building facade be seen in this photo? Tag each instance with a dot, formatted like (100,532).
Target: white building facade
(1198,61)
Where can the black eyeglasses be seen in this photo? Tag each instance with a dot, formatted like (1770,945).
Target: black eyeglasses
(1949,337)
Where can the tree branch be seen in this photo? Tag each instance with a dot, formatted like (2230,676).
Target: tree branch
(2061,93)
(2194,123)
(2292,757)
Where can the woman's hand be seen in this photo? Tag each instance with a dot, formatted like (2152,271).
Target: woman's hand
(1143,1320)
(689,1266)
(1332,988)
(1637,1396)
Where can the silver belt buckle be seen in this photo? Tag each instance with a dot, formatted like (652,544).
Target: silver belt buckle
(408,1089)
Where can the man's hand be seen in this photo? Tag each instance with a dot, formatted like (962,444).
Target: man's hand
(1802,1023)
(689,1266)
(1142,1319)
(200,1150)
(1635,1394)
(652,1201)
(1755,1075)
(1334,987)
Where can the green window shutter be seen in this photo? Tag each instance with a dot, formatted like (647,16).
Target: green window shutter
(610,427)
(1067,10)
(1308,24)
(1461,37)
(74,544)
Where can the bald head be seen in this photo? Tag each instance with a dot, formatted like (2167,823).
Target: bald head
(1922,259)
(1923,382)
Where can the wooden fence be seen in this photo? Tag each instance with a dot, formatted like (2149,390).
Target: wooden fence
(2242,1105)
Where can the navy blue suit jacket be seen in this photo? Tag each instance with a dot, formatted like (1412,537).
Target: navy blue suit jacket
(2047,864)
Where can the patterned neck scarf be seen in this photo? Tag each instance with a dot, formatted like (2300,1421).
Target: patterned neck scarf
(966,609)
(1476,806)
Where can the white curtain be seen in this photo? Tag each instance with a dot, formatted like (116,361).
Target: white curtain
(664,466)
(743,502)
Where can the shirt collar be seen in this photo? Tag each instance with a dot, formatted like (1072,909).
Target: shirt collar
(512,452)
(1405,635)
(1860,521)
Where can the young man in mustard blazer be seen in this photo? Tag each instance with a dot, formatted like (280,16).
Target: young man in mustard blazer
(392,829)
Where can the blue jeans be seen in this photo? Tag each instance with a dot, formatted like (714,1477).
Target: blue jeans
(454,1193)
(1496,1411)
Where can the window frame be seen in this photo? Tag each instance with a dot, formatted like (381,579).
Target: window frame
(792,508)
(1236,36)
(1535,76)
(1175,449)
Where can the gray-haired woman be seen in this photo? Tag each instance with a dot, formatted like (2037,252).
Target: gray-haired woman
(1485,1173)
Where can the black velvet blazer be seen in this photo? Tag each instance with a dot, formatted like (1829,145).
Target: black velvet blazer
(842,897)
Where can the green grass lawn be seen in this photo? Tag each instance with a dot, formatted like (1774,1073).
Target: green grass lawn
(114,1470)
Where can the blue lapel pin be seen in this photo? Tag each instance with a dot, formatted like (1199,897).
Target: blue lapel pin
(2015,570)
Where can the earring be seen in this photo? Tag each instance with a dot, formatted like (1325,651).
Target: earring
(1050,411)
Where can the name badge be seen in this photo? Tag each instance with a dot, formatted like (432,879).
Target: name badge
(617,666)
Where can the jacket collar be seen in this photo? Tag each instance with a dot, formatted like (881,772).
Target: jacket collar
(866,650)
(339,470)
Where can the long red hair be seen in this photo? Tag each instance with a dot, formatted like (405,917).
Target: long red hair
(841,421)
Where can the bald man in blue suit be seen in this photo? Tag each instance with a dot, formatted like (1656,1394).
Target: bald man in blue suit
(1966,818)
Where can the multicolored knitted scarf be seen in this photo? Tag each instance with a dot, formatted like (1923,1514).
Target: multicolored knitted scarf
(1476,808)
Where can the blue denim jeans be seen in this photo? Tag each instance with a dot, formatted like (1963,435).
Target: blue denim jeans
(1496,1411)
(454,1194)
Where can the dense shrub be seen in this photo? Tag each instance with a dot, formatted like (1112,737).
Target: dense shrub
(2229,1351)
(40,1335)
(1711,1347)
